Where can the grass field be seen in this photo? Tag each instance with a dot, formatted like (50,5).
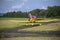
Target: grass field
(17,22)
(11,22)
(49,27)
(32,38)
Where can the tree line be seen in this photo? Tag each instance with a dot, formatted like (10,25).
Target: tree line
(51,11)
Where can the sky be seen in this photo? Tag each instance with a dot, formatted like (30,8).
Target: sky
(25,5)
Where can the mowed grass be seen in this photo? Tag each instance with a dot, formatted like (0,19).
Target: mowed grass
(8,24)
(13,18)
(47,27)
(32,38)
(17,22)
(11,22)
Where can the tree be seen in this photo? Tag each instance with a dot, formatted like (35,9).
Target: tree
(35,12)
(53,11)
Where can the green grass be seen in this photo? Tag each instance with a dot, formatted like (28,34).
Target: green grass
(13,19)
(17,22)
(11,22)
(49,27)
(32,38)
